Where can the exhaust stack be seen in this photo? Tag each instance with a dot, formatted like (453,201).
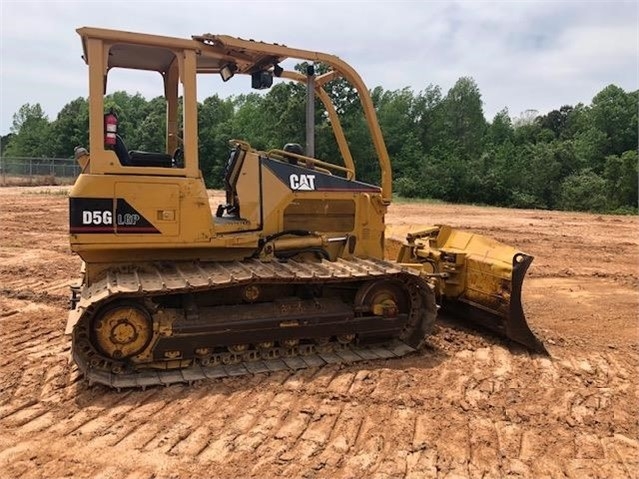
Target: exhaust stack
(310,111)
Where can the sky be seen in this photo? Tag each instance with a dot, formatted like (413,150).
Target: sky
(523,55)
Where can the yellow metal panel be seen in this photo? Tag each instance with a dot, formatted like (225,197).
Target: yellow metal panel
(457,240)
(151,202)
(324,216)
(190,114)
(249,190)
(96,103)
(171,96)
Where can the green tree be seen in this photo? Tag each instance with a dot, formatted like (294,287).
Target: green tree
(584,191)
(614,112)
(622,173)
(284,109)
(131,110)
(538,172)
(577,119)
(464,119)
(4,141)
(428,117)
(343,96)
(71,128)
(214,126)
(501,129)
(395,111)
(362,149)
(249,122)
(556,120)
(591,147)
(151,130)
(32,133)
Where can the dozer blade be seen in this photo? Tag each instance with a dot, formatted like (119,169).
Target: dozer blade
(506,319)
(478,279)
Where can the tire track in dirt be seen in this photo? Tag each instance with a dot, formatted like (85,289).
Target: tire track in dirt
(315,419)
(466,406)
(306,434)
(37,286)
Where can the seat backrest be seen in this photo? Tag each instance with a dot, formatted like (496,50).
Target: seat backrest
(121,152)
(233,168)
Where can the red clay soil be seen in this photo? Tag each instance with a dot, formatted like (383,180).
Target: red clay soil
(468,405)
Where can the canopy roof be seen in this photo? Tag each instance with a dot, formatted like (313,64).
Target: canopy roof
(154,52)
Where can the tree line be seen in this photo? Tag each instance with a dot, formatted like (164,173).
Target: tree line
(581,157)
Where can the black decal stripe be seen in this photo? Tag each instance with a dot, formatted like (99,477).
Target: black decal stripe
(351,190)
(84,211)
(322,181)
(91,229)
(124,209)
(134,229)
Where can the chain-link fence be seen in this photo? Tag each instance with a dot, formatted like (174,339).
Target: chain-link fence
(37,171)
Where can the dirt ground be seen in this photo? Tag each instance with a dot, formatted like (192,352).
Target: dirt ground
(468,405)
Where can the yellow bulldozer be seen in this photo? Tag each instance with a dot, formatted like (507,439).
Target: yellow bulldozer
(288,272)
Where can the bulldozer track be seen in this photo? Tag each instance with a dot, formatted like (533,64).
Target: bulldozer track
(192,277)
(142,380)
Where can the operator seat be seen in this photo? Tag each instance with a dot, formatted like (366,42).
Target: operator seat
(140,158)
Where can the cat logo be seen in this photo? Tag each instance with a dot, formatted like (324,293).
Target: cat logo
(302,182)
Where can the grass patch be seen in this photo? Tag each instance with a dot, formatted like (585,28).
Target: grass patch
(47,192)
(427,201)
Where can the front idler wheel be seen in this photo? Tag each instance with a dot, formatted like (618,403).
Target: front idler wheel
(122,330)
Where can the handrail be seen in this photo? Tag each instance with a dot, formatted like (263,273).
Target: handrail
(284,155)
